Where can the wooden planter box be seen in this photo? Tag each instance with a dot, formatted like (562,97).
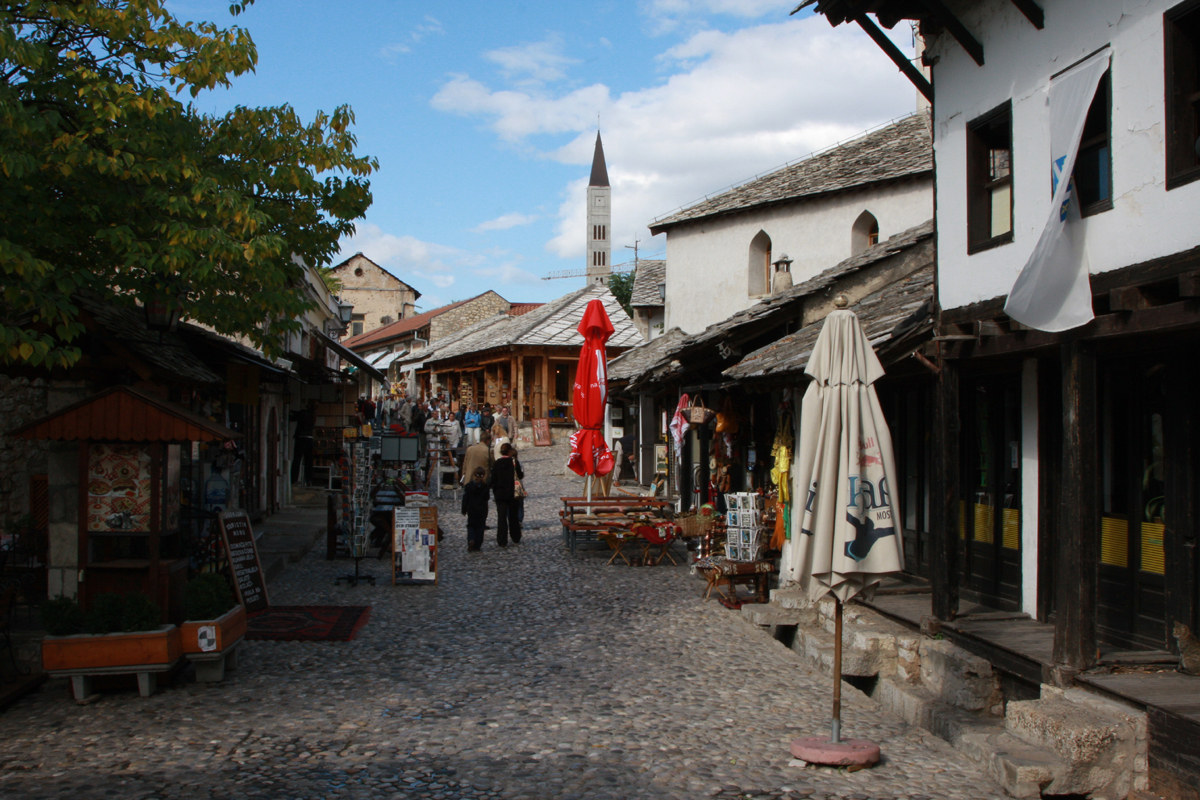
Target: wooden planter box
(84,655)
(211,644)
(226,630)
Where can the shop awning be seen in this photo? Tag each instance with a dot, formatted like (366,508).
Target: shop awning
(384,361)
(346,354)
(125,414)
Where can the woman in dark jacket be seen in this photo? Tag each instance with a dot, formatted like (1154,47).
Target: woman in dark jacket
(505,473)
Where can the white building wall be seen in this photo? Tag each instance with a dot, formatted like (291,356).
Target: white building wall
(1029,487)
(1146,221)
(708,260)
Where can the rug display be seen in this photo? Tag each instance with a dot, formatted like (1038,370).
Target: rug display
(307,623)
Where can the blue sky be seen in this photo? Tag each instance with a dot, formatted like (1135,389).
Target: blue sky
(483,116)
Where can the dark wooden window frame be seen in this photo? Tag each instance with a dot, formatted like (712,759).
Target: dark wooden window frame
(1181,132)
(979,184)
(1104,138)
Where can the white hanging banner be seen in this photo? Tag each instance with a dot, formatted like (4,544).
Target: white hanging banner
(1053,292)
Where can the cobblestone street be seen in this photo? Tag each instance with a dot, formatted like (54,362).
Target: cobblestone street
(524,674)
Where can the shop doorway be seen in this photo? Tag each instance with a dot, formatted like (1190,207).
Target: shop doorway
(989,512)
(1134,429)
(909,413)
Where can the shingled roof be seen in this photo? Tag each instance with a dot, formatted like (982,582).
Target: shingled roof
(769,313)
(552,324)
(633,363)
(902,149)
(650,273)
(403,326)
(898,310)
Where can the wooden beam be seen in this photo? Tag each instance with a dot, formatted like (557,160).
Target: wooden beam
(1189,285)
(1128,298)
(1079,518)
(1032,11)
(898,58)
(945,17)
(943,556)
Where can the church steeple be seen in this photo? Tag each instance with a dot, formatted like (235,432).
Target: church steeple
(599,218)
(599,168)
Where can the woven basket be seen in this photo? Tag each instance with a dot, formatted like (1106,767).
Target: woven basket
(695,525)
(699,414)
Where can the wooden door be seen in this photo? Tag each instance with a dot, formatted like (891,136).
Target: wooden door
(273,461)
(990,522)
(1134,427)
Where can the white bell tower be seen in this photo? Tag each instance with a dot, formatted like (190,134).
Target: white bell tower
(599,220)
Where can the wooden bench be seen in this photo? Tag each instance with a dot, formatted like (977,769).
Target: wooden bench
(576,532)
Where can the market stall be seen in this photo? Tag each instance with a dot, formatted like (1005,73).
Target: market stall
(129,522)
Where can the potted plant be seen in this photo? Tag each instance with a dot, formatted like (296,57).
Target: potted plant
(120,634)
(208,603)
(215,626)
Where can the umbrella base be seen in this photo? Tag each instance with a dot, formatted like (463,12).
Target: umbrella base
(846,753)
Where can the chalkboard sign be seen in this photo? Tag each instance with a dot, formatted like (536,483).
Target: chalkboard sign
(541,432)
(414,545)
(248,576)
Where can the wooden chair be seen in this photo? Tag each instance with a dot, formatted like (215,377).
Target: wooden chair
(657,536)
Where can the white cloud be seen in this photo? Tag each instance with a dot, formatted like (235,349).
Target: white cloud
(732,105)
(669,15)
(438,279)
(507,274)
(504,222)
(534,62)
(420,31)
(406,254)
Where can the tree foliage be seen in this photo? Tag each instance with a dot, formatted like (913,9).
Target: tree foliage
(621,285)
(113,183)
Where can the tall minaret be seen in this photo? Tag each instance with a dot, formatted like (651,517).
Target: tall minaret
(599,220)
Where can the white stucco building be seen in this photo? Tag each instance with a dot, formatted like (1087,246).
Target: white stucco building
(818,212)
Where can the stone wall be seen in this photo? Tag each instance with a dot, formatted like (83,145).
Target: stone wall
(21,400)
(375,293)
(480,308)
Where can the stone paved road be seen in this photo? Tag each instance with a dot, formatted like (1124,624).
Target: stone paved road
(525,674)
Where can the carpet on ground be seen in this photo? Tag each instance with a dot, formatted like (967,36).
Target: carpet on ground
(307,623)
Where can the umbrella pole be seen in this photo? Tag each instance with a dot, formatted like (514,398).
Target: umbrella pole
(836,732)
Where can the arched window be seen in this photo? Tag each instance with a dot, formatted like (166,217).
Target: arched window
(759,268)
(864,233)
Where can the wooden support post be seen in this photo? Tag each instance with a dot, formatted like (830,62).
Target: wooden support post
(1079,524)
(519,390)
(545,401)
(1032,11)
(898,58)
(943,557)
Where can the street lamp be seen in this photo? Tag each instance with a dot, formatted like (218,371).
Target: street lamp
(662,292)
(345,312)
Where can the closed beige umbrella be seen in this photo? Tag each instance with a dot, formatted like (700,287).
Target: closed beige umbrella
(844,528)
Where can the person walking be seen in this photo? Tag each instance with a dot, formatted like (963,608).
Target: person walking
(475,509)
(486,419)
(505,473)
(510,424)
(518,497)
(471,422)
(478,455)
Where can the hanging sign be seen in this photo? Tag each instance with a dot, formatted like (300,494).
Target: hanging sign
(414,545)
(248,577)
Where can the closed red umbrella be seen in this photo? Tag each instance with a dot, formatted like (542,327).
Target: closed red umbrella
(590,455)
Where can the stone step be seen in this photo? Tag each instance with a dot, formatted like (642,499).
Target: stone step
(770,615)
(1098,738)
(791,597)
(1022,769)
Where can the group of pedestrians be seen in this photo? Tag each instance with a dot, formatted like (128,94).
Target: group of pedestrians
(491,467)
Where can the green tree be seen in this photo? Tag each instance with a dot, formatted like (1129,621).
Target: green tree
(111,184)
(621,285)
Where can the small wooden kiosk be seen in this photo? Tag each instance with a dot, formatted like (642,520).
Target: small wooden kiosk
(129,490)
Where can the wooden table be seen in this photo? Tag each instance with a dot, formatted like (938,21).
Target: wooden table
(575,532)
(725,575)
